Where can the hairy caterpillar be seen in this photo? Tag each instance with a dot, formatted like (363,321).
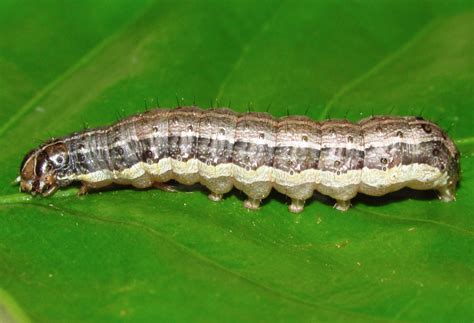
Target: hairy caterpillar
(253,152)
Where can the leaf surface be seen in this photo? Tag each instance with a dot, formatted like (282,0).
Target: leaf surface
(150,255)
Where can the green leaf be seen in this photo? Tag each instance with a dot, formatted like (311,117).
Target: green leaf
(150,255)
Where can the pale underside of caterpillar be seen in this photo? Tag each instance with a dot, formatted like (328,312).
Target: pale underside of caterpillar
(253,152)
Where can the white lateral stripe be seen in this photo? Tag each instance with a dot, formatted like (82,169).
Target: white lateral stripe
(371,177)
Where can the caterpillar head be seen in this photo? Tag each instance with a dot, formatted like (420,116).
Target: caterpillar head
(41,166)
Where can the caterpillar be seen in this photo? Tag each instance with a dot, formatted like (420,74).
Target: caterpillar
(253,152)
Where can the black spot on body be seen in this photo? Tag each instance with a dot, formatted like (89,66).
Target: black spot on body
(147,155)
(427,128)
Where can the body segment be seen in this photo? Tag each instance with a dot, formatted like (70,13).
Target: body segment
(253,152)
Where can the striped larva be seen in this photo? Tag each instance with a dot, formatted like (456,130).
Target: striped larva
(253,152)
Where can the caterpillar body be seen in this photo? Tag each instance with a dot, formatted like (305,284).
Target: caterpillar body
(253,152)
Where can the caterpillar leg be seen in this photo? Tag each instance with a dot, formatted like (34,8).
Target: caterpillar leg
(83,190)
(342,205)
(252,204)
(86,187)
(164,187)
(296,206)
(215,197)
(446,194)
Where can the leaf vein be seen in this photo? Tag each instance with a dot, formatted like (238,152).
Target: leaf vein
(28,106)
(442,224)
(245,49)
(206,260)
(377,67)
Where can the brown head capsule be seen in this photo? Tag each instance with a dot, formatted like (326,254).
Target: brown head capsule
(42,167)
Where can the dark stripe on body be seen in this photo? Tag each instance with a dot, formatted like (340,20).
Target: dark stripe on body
(175,133)
(252,156)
